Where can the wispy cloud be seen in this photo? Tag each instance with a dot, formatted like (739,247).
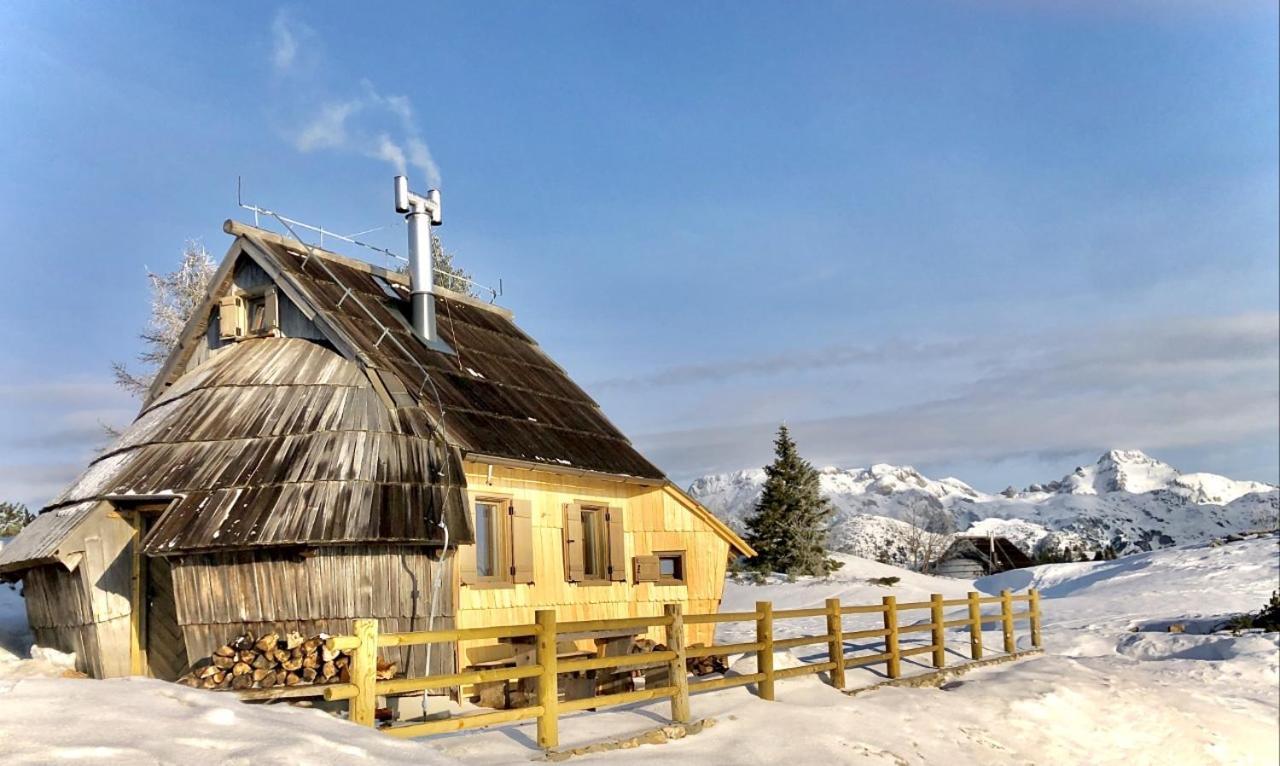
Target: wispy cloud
(362,120)
(284,50)
(1182,384)
(52,429)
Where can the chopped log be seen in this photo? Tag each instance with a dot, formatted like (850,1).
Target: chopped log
(268,681)
(292,664)
(208,671)
(328,670)
(344,675)
(292,640)
(224,651)
(281,675)
(281,655)
(292,679)
(309,675)
(311,645)
(342,662)
(221,662)
(244,681)
(226,681)
(247,655)
(241,668)
(329,655)
(385,670)
(267,642)
(311,661)
(262,673)
(263,661)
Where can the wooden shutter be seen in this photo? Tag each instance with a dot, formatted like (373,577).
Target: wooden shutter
(647,569)
(229,321)
(271,304)
(520,513)
(466,554)
(574,570)
(617,545)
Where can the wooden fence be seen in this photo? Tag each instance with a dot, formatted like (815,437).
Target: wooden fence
(364,688)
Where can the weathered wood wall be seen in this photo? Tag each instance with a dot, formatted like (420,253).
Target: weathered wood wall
(653,521)
(323,590)
(87,610)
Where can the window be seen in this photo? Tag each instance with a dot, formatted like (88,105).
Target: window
(488,541)
(594,544)
(671,568)
(256,308)
(248,314)
(502,553)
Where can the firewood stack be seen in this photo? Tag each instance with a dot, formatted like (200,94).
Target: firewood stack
(249,662)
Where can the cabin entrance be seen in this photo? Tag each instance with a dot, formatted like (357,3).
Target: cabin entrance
(157,647)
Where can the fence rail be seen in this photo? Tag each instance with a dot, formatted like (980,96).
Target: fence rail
(364,688)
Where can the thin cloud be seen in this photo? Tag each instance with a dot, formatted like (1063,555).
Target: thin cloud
(363,121)
(1184,384)
(284,49)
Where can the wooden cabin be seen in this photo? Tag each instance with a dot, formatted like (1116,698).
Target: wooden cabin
(969,558)
(304,459)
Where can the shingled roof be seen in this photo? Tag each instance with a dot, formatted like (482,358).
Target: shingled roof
(497,395)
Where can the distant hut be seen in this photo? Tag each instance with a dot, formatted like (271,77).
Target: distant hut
(971,557)
(304,459)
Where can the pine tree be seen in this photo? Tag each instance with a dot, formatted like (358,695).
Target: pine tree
(13,517)
(789,525)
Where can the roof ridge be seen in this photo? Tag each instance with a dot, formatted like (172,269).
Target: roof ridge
(238,228)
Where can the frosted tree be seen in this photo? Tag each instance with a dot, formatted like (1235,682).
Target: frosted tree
(448,275)
(789,526)
(929,532)
(174,296)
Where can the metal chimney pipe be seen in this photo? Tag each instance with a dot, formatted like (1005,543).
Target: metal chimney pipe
(421,213)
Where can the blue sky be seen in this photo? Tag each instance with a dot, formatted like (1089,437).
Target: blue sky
(989,239)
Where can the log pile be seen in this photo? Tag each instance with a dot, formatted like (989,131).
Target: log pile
(270,660)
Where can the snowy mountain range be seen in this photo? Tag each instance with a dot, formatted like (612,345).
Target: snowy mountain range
(1126,499)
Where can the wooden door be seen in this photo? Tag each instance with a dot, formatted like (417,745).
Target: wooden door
(166,651)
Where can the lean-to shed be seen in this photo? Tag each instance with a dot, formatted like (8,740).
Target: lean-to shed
(304,459)
(977,556)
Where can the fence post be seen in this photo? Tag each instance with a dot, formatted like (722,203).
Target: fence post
(939,635)
(894,664)
(975,625)
(679,666)
(1006,620)
(764,656)
(548,681)
(364,673)
(835,629)
(1034,606)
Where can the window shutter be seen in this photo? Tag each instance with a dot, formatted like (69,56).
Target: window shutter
(466,554)
(617,546)
(647,569)
(574,570)
(230,324)
(272,305)
(521,515)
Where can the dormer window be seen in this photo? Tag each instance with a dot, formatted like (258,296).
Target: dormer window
(249,314)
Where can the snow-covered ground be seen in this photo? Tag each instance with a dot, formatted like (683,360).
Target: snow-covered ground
(1102,692)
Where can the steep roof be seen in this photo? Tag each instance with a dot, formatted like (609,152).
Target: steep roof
(498,395)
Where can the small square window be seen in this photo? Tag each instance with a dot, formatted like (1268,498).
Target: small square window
(256,311)
(670,567)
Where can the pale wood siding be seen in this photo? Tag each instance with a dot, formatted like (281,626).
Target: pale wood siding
(220,595)
(652,520)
